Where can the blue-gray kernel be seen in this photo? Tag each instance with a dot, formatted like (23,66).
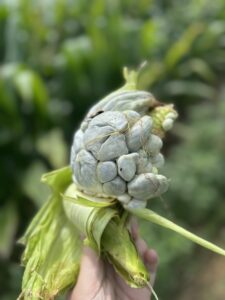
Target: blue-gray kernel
(72,156)
(114,119)
(136,203)
(106,171)
(139,133)
(153,145)
(95,136)
(158,160)
(85,171)
(144,164)
(163,184)
(112,148)
(143,186)
(127,166)
(115,187)
(125,198)
(84,125)
(132,117)
(78,141)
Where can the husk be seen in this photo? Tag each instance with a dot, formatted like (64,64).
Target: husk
(53,246)
(106,231)
(87,216)
(151,216)
(121,252)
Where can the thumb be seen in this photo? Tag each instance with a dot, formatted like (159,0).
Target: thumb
(90,276)
(91,264)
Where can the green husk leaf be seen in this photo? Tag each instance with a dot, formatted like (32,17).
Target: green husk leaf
(59,179)
(103,218)
(105,229)
(120,250)
(86,202)
(77,197)
(151,216)
(53,246)
(88,217)
(8,226)
(132,77)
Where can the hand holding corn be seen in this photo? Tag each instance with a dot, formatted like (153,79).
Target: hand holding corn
(114,173)
(104,282)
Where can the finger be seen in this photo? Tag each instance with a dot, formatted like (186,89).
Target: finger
(149,257)
(89,261)
(69,296)
(151,262)
(134,228)
(141,247)
(91,268)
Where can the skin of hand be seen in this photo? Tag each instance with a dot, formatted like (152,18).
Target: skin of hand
(97,279)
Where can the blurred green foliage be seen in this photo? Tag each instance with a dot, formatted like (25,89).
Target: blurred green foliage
(59,57)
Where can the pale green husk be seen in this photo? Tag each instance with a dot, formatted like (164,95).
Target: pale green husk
(53,247)
(104,225)
(53,244)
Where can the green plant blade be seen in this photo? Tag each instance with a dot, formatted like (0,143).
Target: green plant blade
(151,216)
(88,217)
(75,196)
(106,232)
(8,224)
(86,202)
(59,179)
(52,255)
(121,252)
(53,246)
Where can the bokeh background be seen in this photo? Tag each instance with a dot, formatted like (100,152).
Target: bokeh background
(60,56)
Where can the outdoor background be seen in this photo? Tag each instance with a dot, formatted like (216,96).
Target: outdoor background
(60,56)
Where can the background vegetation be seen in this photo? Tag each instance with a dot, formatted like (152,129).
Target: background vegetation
(60,56)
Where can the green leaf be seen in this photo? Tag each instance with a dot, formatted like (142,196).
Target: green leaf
(53,146)
(106,232)
(52,254)
(58,180)
(86,202)
(99,224)
(199,67)
(151,216)
(89,217)
(53,245)
(182,47)
(75,196)
(32,88)
(191,88)
(120,250)
(37,191)
(8,226)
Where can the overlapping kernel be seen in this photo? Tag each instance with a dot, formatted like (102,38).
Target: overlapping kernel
(115,154)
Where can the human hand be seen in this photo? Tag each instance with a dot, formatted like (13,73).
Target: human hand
(98,280)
